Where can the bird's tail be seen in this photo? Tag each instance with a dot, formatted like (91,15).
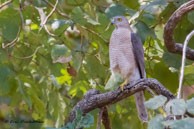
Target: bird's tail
(142,112)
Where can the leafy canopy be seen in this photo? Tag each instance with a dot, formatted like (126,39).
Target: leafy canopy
(43,75)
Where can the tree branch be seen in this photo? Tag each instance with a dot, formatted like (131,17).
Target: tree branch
(93,99)
(6,3)
(183,63)
(105,118)
(169,29)
(58,11)
(46,18)
(99,118)
(66,16)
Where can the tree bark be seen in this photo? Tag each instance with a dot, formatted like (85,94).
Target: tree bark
(93,99)
(169,29)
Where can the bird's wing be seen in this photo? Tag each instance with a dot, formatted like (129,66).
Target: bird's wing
(138,53)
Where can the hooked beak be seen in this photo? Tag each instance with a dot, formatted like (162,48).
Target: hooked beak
(112,21)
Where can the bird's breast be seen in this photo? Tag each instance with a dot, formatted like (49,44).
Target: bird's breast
(121,52)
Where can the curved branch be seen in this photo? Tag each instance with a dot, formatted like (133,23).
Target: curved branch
(93,99)
(169,29)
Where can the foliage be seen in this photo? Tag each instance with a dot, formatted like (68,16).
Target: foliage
(80,121)
(173,108)
(43,75)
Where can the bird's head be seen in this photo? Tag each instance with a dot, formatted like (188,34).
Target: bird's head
(120,21)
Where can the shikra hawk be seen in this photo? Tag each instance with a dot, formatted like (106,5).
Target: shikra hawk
(126,56)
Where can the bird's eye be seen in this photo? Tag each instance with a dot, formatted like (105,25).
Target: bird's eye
(119,19)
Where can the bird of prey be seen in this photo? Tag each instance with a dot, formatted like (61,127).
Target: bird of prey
(126,56)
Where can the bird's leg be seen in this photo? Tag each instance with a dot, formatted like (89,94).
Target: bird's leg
(123,84)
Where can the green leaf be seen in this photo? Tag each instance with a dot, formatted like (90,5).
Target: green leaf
(56,107)
(94,68)
(38,104)
(83,121)
(149,19)
(78,114)
(115,10)
(39,3)
(23,93)
(189,69)
(7,82)
(86,121)
(165,76)
(78,16)
(60,51)
(9,23)
(190,106)
(77,60)
(65,78)
(75,2)
(143,31)
(156,6)
(156,102)
(133,4)
(187,123)
(188,79)
(92,21)
(178,3)
(176,62)
(190,17)
(156,122)
(176,107)
(59,25)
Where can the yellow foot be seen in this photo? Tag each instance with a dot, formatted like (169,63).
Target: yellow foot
(123,84)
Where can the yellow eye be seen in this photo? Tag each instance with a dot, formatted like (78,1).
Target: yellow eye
(119,19)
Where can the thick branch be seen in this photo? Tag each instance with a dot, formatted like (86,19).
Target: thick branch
(169,29)
(93,99)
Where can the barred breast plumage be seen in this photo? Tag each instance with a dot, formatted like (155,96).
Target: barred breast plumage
(121,53)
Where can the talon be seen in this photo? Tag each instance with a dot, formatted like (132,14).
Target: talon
(123,84)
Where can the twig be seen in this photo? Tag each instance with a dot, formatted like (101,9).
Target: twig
(99,118)
(183,62)
(43,17)
(66,16)
(26,57)
(52,11)
(59,12)
(6,3)
(21,14)
(91,31)
(150,91)
(46,29)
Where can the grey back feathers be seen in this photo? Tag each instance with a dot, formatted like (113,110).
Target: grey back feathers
(139,54)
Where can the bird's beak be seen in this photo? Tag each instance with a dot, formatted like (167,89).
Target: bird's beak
(112,21)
